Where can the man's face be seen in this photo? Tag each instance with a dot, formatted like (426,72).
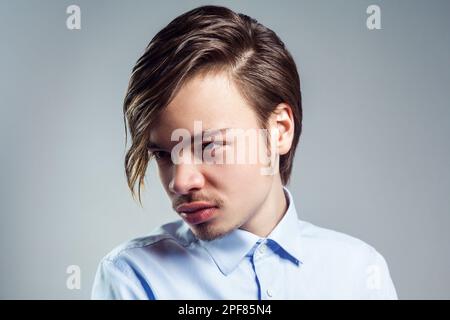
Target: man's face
(236,190)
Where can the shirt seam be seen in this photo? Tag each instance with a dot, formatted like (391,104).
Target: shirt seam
(147,243)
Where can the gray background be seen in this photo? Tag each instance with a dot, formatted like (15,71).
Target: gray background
(373,159)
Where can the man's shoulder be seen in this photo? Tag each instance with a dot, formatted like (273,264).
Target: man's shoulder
(172,234)
(332,242)
(354,268)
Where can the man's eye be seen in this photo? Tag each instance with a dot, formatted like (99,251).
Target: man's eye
(211,145)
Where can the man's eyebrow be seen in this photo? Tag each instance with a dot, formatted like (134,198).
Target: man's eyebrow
(205,134)
(211,132)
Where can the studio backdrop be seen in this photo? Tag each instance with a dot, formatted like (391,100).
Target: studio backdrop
(372,162)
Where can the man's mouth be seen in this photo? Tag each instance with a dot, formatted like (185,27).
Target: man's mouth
(197,212)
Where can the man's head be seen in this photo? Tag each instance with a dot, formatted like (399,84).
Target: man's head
(227,71)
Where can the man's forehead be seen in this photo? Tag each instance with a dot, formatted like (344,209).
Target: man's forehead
(211,99)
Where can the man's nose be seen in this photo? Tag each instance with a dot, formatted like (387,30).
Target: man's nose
(186,177)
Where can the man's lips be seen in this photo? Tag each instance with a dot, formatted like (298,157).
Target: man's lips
(194,206)
(197,212)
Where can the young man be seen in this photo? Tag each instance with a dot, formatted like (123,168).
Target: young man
(217,80)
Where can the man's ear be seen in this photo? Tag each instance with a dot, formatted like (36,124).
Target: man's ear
(282,120)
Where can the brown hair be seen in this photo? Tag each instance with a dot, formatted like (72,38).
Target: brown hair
(209,39)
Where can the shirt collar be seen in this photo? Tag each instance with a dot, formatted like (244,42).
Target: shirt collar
(228,251)
(286,233)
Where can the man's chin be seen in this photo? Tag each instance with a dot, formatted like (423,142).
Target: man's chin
(208,232)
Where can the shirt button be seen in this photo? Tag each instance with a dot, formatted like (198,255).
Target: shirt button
(269,293)
(262,248)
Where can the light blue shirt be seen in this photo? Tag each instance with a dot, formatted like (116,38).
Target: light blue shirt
(298,260)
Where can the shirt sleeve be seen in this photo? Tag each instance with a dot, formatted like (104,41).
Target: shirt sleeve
(116,280)
(378,279)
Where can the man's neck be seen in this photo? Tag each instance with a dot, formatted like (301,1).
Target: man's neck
(270,213)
